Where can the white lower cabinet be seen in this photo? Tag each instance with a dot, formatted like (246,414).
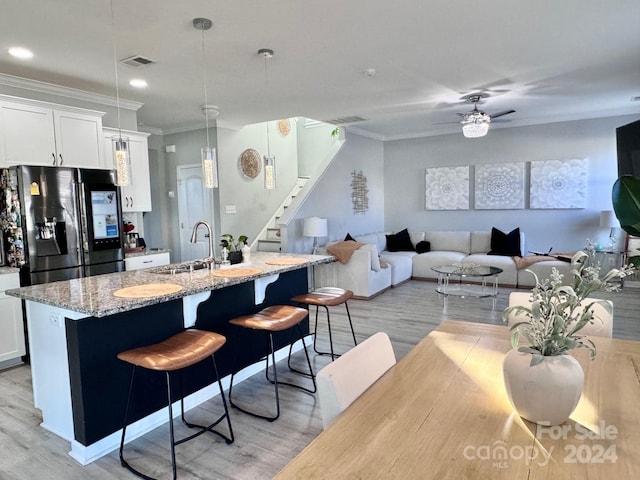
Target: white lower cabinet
(12,344)
(146,261)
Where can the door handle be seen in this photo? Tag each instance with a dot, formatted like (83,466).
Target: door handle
(61,159)
(54,158)
(131,201)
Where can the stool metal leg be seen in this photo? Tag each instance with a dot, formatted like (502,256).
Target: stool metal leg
(315,332)
(275,381)
(275,375)
(173,441)
(209,428)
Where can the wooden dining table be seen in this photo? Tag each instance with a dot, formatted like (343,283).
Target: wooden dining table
(443,413)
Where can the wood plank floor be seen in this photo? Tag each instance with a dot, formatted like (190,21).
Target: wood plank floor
(261,449)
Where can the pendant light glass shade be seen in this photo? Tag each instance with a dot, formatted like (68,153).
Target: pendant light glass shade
(121,160)
(269,160)
(208,153)
(209,167)
(269,172)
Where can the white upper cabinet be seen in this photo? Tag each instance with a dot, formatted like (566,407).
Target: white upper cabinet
(136,197)
(38,133)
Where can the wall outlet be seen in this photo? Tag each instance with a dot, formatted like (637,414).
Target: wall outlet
(230,209)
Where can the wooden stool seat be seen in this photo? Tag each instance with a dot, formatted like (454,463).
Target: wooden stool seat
(326,297)
(170,356)
(273,319)
(180,351)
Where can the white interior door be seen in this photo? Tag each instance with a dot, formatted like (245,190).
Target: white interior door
(194,203)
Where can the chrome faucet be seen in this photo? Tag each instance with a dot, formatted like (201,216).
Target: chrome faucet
(194,239)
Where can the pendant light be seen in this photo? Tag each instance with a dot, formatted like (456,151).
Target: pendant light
(208,154)
(120,144)
(269,160)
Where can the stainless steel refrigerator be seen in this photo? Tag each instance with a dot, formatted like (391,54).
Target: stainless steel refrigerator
(70,223)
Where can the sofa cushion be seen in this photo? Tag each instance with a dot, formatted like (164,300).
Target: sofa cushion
(505,243)
(423,246)
(378,239)
(423,262)
(400,242)
(480,242)
(509,275)
(373,251)
(416,237)
(401,264)
(449,241)
(349,238)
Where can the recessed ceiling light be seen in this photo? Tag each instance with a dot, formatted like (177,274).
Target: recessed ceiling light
(20,52)
(138,82)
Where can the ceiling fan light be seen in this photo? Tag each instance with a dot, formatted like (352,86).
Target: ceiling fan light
(475,130)
(475,124)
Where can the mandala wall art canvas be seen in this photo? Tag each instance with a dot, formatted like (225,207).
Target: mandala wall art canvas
(558,184)
(499,186)
(447,188)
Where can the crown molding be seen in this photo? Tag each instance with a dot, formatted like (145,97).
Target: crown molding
(68,92)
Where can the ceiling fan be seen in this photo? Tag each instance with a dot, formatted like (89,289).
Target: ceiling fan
(476,122)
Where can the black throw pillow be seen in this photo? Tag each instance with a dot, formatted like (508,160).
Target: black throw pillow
(423,246)
(400,242)
(349,238)
(505,243)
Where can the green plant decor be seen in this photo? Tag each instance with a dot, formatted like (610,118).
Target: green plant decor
(335,132)
(626,203)
(553,322)
(231,244)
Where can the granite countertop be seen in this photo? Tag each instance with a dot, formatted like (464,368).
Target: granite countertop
(93,296)
(147,251)
(4,270)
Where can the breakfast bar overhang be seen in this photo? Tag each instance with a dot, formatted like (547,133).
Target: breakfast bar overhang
(77,327)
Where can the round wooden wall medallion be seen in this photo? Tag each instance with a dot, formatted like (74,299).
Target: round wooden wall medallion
(284,127)
(250,163)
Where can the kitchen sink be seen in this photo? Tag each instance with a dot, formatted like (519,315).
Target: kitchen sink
(180,268)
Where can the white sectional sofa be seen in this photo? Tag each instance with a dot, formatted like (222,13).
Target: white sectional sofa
(364,275)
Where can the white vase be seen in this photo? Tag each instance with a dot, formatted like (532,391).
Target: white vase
(546,393)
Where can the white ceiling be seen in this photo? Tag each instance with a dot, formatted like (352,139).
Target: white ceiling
(549,60)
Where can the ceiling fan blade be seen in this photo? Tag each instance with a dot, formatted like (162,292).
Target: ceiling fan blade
(500,114)
(461,114)
(446,123)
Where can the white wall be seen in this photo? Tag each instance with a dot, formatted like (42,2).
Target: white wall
(331,198)
(313,143)
(254,205)
(405,162)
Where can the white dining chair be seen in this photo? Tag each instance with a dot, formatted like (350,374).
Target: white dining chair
(602,325)
(347,377)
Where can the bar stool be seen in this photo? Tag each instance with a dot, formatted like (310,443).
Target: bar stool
(273,319)
(172,355)
(327,297)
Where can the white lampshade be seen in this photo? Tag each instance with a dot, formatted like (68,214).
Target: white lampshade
(608,219)
(315,227)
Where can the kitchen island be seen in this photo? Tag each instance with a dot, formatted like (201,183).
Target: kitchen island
(77,327)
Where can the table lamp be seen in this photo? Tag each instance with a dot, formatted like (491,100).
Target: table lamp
(315,227)
(609,220)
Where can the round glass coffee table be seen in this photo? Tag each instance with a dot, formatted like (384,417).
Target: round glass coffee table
(454,280)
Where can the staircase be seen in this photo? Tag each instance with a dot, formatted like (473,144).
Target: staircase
(269,238)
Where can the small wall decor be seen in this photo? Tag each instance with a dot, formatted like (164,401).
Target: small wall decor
(447,188)
(250,163)
(499,186)
(359,192)
(558,184)
(284,127)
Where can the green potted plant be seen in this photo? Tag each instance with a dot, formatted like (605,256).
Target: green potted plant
(625,196)
(234,247)
(543,382)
